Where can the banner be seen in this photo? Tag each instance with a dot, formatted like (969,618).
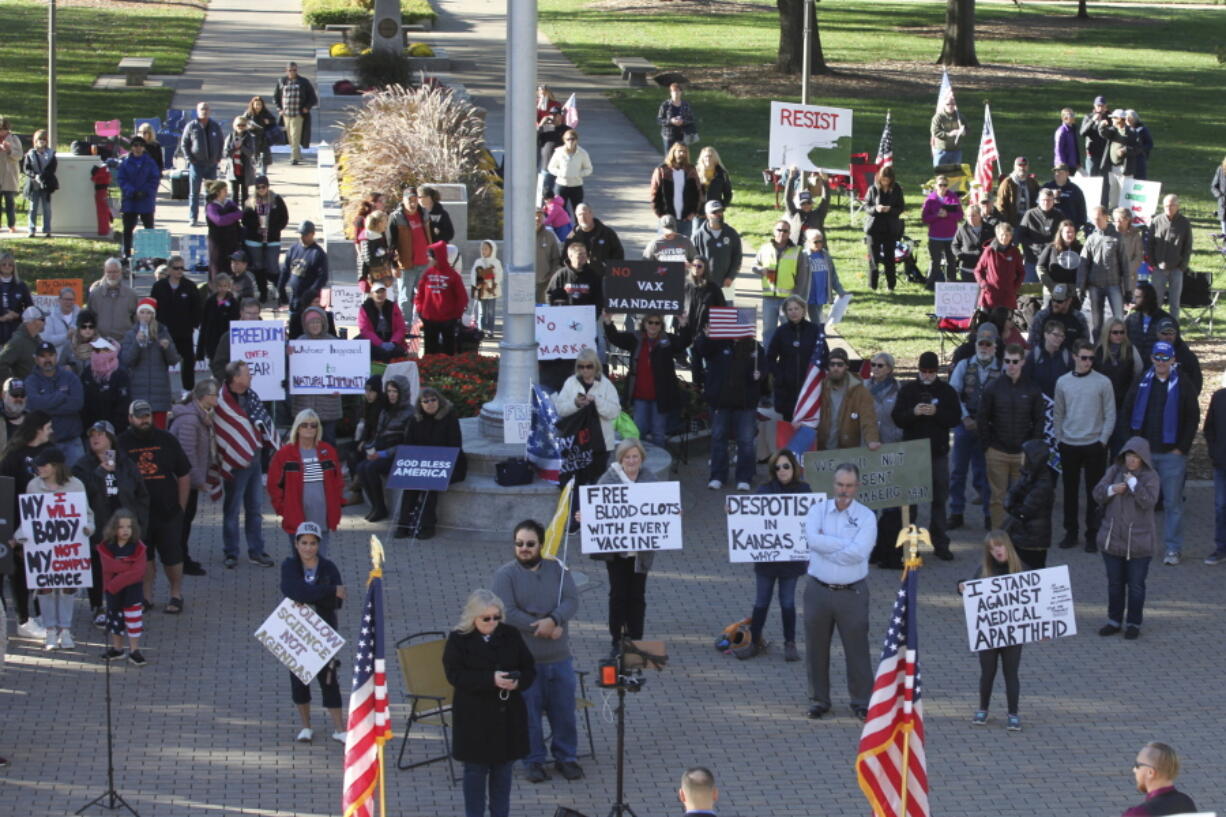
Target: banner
(1091,187)
(261,345)
(46,295)
(328,366)
(562,332)
(422,468)
(631,517)
(894,475)
(1018,608)
(195,251)
(344,303)
(810,137)
(516,423)
(635,287)
(956,300)
(1142,198)
(768,527)
(55,545)
(299,639)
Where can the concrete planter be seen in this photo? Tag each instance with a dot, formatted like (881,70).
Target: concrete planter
(340,65)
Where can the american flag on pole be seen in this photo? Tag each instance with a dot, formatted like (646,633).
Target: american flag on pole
(369,725)
(241,432)
(808,409)
(885,150)
(732,322)
(542,449)
(893,735)
(989,158)
(947,90)
(570,111)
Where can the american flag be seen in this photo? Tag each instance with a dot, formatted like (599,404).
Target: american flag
(885,150)
(369,726)
(988,157)
(731,322)
(240,434)
(570,111)
(542,449)
(808,409)
(946,91)
(896,719)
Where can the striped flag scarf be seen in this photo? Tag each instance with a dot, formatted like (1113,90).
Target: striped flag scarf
(241,428)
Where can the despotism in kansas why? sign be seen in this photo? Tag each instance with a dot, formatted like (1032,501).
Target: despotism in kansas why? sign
(768,527)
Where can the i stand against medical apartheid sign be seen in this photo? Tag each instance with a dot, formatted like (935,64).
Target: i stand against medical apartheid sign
(422,467)
(299,639)
(1018,608)
(768,527)
(629,517)
(636,287)
(55,547)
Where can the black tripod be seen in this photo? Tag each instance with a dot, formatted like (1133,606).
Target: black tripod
(620,806)
(113,800)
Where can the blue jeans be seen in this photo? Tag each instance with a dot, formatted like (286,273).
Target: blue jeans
(967,453)
(1114,296)
(743,423)
(787,605)
(1032,272)
(246,490)
(1125,573)
(770,317)
(9,197)
(652,423)
(41,201)
(946,157)
(1219,510)
(552,693)
(488,308)
(1172,468)
(197,172)
(409,277)
(499,777)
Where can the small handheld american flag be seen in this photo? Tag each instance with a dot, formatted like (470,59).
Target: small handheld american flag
(731,322)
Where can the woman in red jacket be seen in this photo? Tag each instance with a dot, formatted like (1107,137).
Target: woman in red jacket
(1000,271)
(304,480)
(440,300)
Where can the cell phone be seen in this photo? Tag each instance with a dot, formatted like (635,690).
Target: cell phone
(110,457)
(513,675)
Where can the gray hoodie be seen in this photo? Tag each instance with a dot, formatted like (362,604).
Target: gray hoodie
(1127,529)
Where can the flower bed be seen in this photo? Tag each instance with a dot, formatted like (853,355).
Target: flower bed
(320,13)
(469,380)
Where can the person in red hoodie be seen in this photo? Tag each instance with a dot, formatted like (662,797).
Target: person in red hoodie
(1000,271)
(123,557)
(440,300)
(305,482)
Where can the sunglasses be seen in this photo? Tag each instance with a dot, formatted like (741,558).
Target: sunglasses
(1162,359)
(86,326)
(179,267)
(308,425)
(1088,358)
(782,230)
(987,343)
(525,545)
(1117,331)
(838,363)
(1013,361)
(488,619)
(927,371)
(783,466)
(652,323)
(585,366)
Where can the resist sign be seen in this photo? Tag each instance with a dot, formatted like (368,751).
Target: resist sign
(56,546)
(1018,608)
(810,137)
(261,345)
(769,527)
(328,366)
(299,639)
(629,517)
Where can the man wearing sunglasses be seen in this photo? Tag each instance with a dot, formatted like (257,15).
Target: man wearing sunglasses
(1010,413)
(1084,417)
(1155,771)
(849,417)
(179,310)
(541,599)
(775,264)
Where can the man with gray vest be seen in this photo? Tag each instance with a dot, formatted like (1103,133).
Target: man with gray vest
(1084,417)
(541,599)
(970,377)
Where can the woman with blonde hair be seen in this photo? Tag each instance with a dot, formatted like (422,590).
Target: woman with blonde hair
(999,558)
(305,483)
(715,181)
(589,386)
(241,158)
(152,146)
(676,189)
(147,352)
(374,255)
(1120,361)
(263,123)
(224,218)
(486,661)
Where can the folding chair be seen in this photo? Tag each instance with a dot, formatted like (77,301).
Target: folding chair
(582,704)
(174,121)
(109,129)
(861,180)
(430,694)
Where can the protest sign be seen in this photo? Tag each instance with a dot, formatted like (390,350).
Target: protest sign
(956,300)
(768,527)
(55,545)
(631,517)
(521,292)
(422,468)
(46,295)
(344,302)
(894,475)
(562,332)
(151,242)
(299,639)
(1091,188)
(635,287)
(1140,197)
(261,345)
(810,137)
(328,366)
(839,310)
(1018,608)
(516,423)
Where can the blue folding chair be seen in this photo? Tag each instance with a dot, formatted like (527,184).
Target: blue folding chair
(174,121)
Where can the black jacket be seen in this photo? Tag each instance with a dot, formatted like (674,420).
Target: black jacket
(441,227)
(216,322)
(571,287)
(699,298)
(663,357)
(884,226)
(278,218)
(110,491)
(1141,337)
(442,430)
(936,427)
(601,241)
(1036,230)
(1189,416)
(1215,429)
(1029,500)
(108,400)
(730,373)
(486,728)
(1010,414)
(178,309)
(787,360)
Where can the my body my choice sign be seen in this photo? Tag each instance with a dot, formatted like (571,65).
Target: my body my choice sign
(422,468)
(630,517)
(769,527)
(894,475)
(299,639)
(1018,608)
(644,286)
(56,546)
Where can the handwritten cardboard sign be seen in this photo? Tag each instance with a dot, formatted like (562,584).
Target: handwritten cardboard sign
(768,527)
(562,332)
(1019,608)
(55,547)
(894,475)
(328,366)
(631,517)
(261,345)
(299,639)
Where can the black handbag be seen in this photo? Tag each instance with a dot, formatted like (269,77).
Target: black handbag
(514,471)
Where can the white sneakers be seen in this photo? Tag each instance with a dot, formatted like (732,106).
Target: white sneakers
(742,486)
(66,642)
(51,639)
(305,735)
(715,485)
(32,630)
(339,737)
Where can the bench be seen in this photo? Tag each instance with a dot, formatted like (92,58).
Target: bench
(346,30)
(135,70)
(635,70)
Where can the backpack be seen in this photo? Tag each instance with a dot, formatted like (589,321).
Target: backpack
(734,636)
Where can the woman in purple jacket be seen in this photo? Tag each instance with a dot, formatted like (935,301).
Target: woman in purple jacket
(942,213)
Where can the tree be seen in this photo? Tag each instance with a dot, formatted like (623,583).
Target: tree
(959,45)
(792,39)
(1082,14)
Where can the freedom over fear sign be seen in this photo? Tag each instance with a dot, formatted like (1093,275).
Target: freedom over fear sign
(894,475)
(1018,608)
(769,527)
(299,639)
(635,287)
(631,517)
(56,546)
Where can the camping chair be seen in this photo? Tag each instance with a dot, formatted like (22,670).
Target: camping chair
(861,180)
(430,694)
(840,183)
(1198,301)
(108,129)
(173,123)
(959,177)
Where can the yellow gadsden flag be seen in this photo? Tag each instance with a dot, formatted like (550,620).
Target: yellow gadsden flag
(556,531)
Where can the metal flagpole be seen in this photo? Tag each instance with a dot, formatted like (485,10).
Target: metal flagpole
(806,58)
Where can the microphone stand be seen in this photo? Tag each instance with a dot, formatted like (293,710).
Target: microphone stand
(113,799)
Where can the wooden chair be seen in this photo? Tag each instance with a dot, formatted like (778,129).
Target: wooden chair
(430,694)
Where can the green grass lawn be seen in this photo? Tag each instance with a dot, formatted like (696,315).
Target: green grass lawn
(1159,61)
(91,41)
(61,257)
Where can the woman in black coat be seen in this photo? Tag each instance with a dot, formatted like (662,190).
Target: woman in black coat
(1028,505)
(651,414)
(885,205)
(489,665)
(788,355)
(433,422)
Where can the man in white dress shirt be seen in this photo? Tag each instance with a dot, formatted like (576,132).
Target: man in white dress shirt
(841,533)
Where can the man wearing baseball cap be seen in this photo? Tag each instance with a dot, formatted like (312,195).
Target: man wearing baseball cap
(17,357)
(1162,408)
(240,275)
(720,245)
(57,390)
(305,269)
(668,245)
(13,402)
(1062,308)
(178,308)
(1095,144)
